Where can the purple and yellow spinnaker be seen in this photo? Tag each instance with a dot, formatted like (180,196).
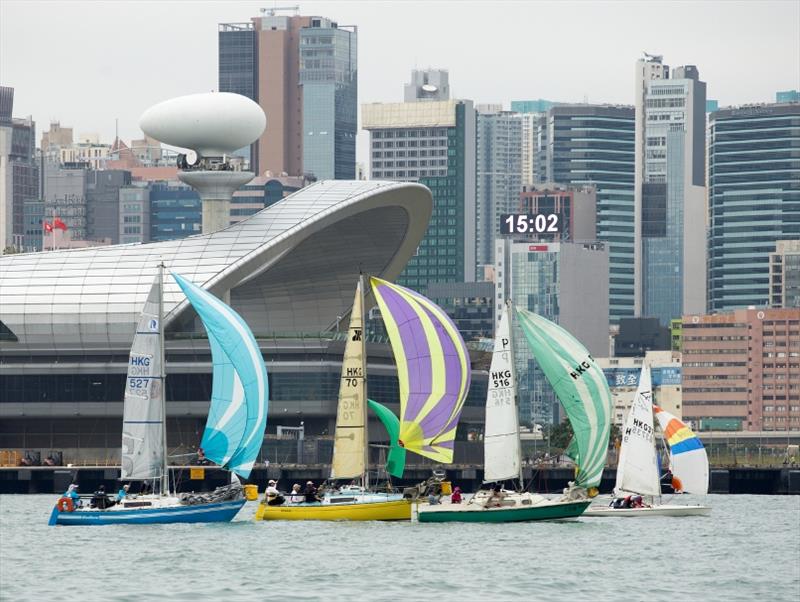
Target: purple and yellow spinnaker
(432,367)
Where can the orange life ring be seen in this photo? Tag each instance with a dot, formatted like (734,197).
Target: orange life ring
(65,504)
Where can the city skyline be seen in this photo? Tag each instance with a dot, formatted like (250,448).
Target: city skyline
(599,70)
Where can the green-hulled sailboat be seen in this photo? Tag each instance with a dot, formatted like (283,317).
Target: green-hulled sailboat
(582,389)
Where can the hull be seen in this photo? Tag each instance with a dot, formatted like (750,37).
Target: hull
(200,513)
(383,510)
(539,509)
(665,510)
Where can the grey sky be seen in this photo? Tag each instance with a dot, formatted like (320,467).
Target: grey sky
(85,63)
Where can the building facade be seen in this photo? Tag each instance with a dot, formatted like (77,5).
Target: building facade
(302,71)
(103,204)
(669,190)
(593,145)
(134,213)
(427,84)
(19,172)
(499,177)
(741,369)
(175,211)
(554,280)
(469,304)
(432,142)
(574,206)
(622,374)
(784,274)
(329,80)
(754,199)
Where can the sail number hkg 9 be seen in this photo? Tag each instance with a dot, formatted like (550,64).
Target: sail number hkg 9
(525,223)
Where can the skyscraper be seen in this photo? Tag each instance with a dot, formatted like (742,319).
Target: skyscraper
(427,84)
(669,190)
(754,199)
(593,145)
(19,172)
(432,142)
(303,72)
(499,180)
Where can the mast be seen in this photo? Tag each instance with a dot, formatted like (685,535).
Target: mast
(162,378)
(365,416)
(510,311)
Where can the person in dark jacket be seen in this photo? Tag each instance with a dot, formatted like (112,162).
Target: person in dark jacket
(100,499)
(311,493)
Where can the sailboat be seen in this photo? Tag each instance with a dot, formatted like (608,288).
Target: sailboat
(234,430)
(502,447)
(637,468)
(434,377)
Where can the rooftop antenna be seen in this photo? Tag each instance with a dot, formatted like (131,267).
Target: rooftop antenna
(270,12)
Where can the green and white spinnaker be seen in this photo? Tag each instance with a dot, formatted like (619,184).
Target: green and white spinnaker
(581,388)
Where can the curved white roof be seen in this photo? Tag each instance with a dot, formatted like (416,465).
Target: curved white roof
(290,267)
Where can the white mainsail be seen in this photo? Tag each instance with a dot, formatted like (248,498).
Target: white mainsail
(143,412)
(501,442)
(350,441)
(637,469)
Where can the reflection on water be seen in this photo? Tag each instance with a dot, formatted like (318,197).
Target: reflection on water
(748,549)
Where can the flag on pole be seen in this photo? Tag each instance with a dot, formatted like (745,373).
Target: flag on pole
(57,223)
(48,227)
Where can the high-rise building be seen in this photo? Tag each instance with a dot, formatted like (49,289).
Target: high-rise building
(134,213)
(784,274)
(754,199)
(566,283)
(19,172)
(576,208)
(303,73)
(103,200)
(669,190)
(499,177)
(593,145)
(431,142)
(427,84)
(469,304)
(534,138)
(329,80)
(742,369)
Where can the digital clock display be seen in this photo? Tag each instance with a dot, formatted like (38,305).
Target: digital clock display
(530,223)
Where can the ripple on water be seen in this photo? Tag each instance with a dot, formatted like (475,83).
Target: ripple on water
(749,548)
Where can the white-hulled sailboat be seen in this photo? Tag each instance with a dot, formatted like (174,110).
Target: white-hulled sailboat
(503,453)
(637,468)
(234,431)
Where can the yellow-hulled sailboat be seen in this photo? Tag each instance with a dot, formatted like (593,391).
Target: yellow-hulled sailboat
(350,447)
(434,376)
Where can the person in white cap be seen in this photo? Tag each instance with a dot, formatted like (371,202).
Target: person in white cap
(272,495)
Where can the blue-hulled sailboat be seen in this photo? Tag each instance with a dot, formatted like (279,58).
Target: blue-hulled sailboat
(234,430)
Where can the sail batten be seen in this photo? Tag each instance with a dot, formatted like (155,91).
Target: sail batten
(581,388)
(432,368)
(143,414)
(238,414)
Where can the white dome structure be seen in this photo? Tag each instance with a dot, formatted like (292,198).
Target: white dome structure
(212,124)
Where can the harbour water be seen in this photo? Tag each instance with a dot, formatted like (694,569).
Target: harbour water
(748,549)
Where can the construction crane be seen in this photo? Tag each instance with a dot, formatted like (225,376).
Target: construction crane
(270,12)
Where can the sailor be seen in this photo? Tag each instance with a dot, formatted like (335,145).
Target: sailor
(122,493)
(311,493)
(455,497)
(637,502)
(496,499)
(72,492)
(296,496)
(99,499)
(272,495)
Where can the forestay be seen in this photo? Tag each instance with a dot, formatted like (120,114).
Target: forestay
(237,418)
(143,412)
(637,468)
(432,368)
(687,456)
(501,443)
(350,441)
(581,387)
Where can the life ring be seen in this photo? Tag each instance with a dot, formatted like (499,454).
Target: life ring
(65,504)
